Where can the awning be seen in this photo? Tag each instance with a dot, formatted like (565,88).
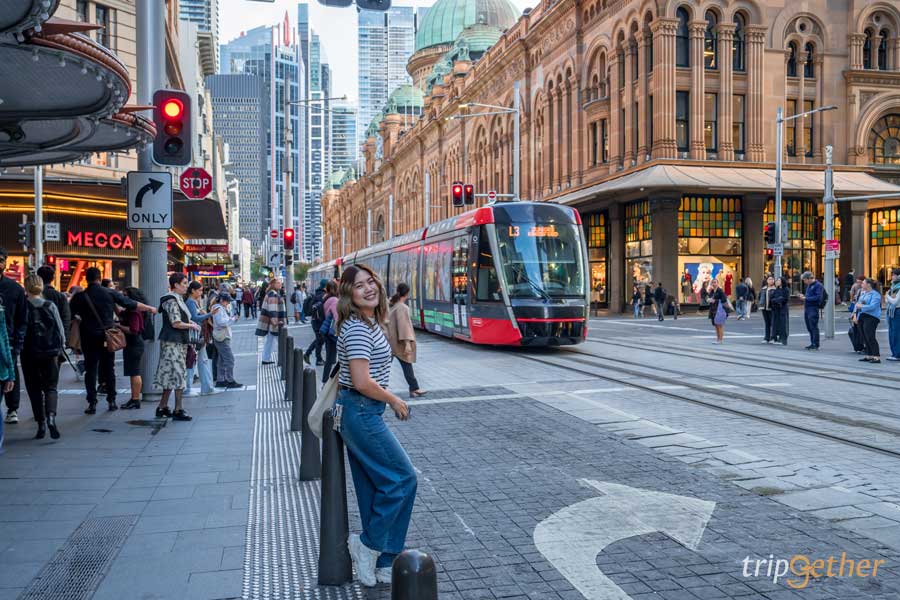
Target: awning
(201,219)
(685,178)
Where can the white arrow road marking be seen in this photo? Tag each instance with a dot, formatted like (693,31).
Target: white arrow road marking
(571,538)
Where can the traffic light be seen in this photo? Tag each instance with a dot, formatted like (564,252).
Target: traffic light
(770,254)
(770,233)
(172,117)
(469,193)
(50,260)
(456,191)
(288,239)
(26,235)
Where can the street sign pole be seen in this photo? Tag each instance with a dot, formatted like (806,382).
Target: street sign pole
(151,67)
(828,275)
(38,216)
(779,150)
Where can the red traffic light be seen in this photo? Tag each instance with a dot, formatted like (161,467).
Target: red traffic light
(172,117)
(172,108)
(457,193)
(469,193)
(288,239)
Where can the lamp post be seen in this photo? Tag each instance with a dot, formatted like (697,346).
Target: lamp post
(779,146)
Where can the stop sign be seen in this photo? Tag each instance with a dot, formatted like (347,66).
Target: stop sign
(195,183)
(273,234)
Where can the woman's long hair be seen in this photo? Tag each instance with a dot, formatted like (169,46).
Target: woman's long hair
(346,309)
(402,290)
(331,288)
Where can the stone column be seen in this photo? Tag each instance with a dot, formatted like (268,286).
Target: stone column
(615,273)
(726,90)
(855,245)
(664,212)
(894,54)
(698,74)
(755,38)
(545,149)
(630,56)
(559,127)
(664,29)
(754,206)
(819,122)
(576,134)
(642,101)
(566,134)
(615,151)
(799,140)
(855,42)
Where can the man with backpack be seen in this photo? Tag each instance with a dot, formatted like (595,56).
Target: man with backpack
(44,341)
(659,299)
(316,312)
(814,300)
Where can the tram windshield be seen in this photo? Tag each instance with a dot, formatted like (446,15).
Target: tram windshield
(542,260)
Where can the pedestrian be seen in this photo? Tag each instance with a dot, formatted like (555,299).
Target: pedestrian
(766,307)
(13,299)
(317,317)
(402,338)
(659,300)
(272,316)
(741,292)
(849,281)
(297,299)
(719,307)
(383,476)
(7,366)
(74,340)
(636,302)
(247,301)
(95,307)
(222,321)
(206,331)
(868,314)
(202,365)
(856,289)
(174,337)
(304,294)
(47,273)
(253,310)
(892,299)
(648,300)
(138,328)
(44,343)
(329,328)
(814,300)
(780,299)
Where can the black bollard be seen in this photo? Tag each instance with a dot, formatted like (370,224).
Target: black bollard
(282,336)
(287,369)
(335,567)
(297,419)
(310,463)
(413,577)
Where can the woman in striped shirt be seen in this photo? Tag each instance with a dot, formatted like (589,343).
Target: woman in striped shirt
(383,475)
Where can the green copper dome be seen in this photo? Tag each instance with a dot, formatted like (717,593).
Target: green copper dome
(374,125)
(447,18)
(479,38)
(405,99)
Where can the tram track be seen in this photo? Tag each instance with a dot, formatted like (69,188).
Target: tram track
(566,360)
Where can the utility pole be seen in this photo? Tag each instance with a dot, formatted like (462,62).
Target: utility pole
(427,189)
(151,65)
(287,200)
(828,275)
(779,151)
(38,216)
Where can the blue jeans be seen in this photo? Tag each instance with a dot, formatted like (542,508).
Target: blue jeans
(269,347)
(894,334)
(811,316)
(383,475)
(205,369)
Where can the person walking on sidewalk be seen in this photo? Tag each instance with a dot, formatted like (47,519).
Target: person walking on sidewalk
(174,337)
(648,300)
(719,307)
(13,298)
(7,367)
(272,317)
(44,343)
(222,321)
(892,299)
(329,328)
(741,293)
(247,301)
(402,337)
(138,328)
(780,299)
(298,296)
(383,476)
(47,273)
(766,307)
(636,302)
(659,300)
(813,301)
(202,365)
(317,317)
(867,313)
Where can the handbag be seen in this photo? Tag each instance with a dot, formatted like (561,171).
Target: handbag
(721,316)
(190,359)
(113,337)
(324,403)
(73,340)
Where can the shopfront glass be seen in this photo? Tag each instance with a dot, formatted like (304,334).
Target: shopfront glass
(884,227)
(638,246)
(800,248)
(597,234)
(710,230)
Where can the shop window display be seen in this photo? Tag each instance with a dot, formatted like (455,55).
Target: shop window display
(709,245)
(884,226)
(598,255)
(802,234)
(638,245)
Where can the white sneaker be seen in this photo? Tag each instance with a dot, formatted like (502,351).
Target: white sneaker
(214,391)
(12,417)
(383,575)
(364,558)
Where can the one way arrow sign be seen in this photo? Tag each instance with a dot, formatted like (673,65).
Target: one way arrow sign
(571,538)
(149,200)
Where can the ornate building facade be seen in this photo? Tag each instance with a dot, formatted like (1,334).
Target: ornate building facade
(657,121)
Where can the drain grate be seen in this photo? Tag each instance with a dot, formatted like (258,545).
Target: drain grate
(78,566)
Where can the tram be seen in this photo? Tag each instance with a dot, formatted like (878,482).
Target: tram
(511,273)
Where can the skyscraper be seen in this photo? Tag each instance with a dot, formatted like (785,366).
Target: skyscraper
(386,41)
(343,137)
(239,108)
(205,13)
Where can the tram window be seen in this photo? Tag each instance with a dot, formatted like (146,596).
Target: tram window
(488,284)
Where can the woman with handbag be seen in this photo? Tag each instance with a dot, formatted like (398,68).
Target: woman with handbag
(222,321)
(174,338)
(136,330)
(402,337)
(719,307)
(383,476)
(201,362)
(867,313)
(328,330)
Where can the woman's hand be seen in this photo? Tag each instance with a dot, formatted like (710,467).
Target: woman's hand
(400,408)
(194,326)
(8,386)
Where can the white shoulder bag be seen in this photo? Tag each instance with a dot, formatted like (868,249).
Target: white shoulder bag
(324,402)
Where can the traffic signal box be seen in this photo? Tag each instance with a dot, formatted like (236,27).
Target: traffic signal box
(462,193)
(172,117)
(770,233)
(26,235)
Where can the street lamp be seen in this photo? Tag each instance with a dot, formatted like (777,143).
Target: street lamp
(779,148)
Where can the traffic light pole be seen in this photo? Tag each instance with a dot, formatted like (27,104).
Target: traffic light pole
(779,151)
(287,199)
(828,275)
(151,66)
(38,216)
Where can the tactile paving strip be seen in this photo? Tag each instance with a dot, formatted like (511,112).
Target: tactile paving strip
(282,550)
(81,563)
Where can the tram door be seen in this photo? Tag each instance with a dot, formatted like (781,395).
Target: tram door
(461,285)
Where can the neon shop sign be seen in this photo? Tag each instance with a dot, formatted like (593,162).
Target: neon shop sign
(98,239)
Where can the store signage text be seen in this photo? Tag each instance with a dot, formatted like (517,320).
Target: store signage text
(98,239)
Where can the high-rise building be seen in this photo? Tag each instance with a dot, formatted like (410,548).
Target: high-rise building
(239,107)
(271,53)
(386,41)
(343,137)
(205,13)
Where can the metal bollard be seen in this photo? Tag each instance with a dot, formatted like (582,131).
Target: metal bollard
(310,462)
(282,336)
(286,370)
(297,419)
(335,567)
(413,577)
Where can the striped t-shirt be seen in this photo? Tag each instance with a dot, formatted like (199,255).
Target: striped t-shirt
(358,339)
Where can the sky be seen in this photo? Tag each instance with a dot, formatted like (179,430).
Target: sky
(336,28)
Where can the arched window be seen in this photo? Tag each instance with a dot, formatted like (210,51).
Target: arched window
(737,52)
(882,50)
(682,40)
(867,49)
(884,141)
(792,60)
(710,42)
(809,67)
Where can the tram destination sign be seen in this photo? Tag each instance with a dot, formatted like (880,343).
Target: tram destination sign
(149,200)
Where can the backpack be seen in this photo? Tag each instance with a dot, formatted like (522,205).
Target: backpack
(823,302)
(308,304)
(42,337)
(318,311)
